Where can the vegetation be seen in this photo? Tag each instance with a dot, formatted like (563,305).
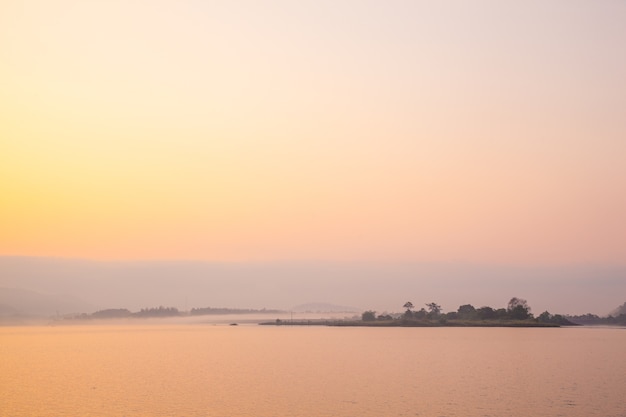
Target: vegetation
(593,320)
(123,313)
(213,310)
(368,315)
(518,309)
(546,317)
(111,313)
(161,311)
(434,310)
(158,312)
(517,313)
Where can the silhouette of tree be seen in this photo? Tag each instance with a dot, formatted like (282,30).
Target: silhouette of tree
(368,315)
(434,309)
(466,311)
(421,314)
(409,306)
(486,313)
(518,309)
(158,312)
(545,317)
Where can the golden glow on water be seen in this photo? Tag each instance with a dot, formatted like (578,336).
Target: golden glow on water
(198,370)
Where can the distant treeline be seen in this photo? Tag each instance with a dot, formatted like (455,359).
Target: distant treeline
(119,313)
(593,320)
(517,310)
(212,310)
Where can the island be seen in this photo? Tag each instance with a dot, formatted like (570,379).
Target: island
(517,314)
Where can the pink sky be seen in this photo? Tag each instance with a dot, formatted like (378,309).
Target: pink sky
(487,131)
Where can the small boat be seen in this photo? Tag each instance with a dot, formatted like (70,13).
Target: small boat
(233,324)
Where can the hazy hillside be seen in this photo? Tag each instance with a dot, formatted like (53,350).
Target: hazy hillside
(20,302)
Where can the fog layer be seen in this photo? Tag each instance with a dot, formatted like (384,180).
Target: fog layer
(92,285)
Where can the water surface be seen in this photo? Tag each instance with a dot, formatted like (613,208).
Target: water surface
(208,370)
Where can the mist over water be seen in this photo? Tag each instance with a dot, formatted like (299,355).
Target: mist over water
(203,370)
(90,285)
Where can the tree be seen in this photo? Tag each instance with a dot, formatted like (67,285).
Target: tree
(466,311)
(518,309)
(486,313)
(434,309)
(451,315)
(545,317)
(408,313)
(421,314)
(368,315)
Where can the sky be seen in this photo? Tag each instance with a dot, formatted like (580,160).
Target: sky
(489,132)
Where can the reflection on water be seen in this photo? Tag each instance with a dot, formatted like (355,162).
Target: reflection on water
(208,370)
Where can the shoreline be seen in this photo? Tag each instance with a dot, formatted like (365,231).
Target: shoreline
(408,323)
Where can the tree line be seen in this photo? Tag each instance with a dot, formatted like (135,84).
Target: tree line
(214,310)
(594,320)
(120,313)
(517,310)
(161,311)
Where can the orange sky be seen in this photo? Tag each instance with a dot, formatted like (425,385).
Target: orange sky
(484,132)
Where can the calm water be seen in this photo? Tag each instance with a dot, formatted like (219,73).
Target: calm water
(202,370)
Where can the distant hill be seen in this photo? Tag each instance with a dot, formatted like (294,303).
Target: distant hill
(20,302)
(324,308)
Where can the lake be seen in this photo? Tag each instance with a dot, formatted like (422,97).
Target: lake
(258,371)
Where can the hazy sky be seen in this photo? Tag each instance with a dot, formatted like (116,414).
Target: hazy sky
(472,131)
